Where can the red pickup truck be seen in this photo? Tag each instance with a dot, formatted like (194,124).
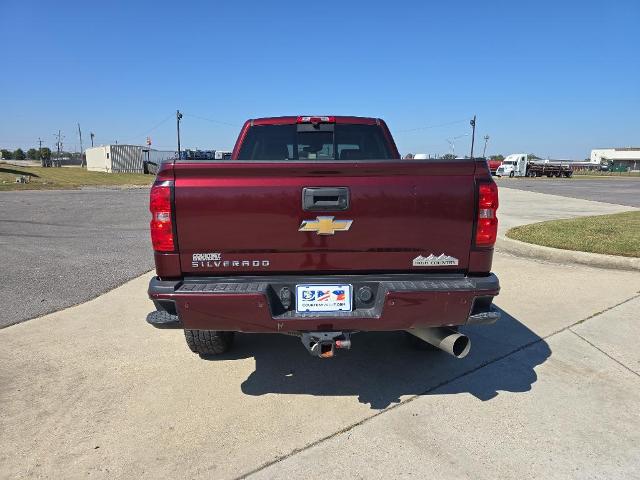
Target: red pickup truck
(316,227)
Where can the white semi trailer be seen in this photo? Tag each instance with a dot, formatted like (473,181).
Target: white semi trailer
(517,165)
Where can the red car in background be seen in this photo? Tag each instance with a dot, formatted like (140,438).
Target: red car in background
(493,165)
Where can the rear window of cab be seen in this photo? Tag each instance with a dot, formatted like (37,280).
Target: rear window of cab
(342,142)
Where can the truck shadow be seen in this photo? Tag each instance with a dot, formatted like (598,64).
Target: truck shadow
(383,367)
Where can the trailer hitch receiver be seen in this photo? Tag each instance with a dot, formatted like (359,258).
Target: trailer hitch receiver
(324,344)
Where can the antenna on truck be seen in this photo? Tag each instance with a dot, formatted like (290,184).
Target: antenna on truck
(473,133)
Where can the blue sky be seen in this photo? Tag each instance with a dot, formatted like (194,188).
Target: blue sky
(555,78)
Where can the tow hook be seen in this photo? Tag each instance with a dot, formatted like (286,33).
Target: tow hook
(324,344)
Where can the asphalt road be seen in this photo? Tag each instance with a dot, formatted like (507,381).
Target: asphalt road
(60,248)
(622,191)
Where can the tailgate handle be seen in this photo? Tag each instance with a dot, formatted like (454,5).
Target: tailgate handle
(325,198)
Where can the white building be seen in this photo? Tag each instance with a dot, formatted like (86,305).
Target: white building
(627,158)
(124,158)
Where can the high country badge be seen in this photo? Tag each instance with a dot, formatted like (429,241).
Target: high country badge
(434,261)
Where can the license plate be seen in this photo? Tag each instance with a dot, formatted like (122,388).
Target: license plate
(323,298)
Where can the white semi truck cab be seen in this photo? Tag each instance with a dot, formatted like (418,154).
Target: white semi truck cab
(514,165)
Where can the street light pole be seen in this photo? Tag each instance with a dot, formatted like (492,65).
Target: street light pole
(452,142)
(484,150)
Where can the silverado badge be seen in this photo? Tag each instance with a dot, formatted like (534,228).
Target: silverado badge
(325,225)
(434,260)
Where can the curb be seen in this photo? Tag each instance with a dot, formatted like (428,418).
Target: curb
(538,252)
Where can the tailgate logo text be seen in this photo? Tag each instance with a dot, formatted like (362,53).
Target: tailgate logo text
(434,261)
(214,260)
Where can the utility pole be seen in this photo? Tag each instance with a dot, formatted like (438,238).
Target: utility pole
(59,145)
(42,161)
(82,163)
(484,150)
(473,134)
(178,118)
(92,135)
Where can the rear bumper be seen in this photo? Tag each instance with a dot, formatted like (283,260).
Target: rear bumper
(255,304)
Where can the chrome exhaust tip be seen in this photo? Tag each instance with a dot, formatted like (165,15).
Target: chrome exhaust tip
(446,339)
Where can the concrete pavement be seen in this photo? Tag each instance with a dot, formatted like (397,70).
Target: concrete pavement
(579,420)
(521,208)
(93,390)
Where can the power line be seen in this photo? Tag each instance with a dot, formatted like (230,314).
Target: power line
(166,119)
(211,120)
(426,127)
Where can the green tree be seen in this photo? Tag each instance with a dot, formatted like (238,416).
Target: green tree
(6,154)
(18,154)
(498,158)
(45,157)
(32,154)
(448,156)
(533,156)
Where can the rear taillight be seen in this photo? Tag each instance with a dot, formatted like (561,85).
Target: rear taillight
(316,120)
(161,218)
(487,222)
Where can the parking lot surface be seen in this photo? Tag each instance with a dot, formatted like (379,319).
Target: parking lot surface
(550,391)
(619,190)
(60,248)
(95,391)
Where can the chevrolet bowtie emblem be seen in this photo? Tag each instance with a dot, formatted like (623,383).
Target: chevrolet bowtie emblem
(325,225)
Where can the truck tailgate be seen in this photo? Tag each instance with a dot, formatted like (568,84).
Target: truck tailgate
(244,216)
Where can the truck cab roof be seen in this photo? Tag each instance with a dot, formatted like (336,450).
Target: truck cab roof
(288,120)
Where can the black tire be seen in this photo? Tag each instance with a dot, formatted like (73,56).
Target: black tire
(512,174)
(208,342)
